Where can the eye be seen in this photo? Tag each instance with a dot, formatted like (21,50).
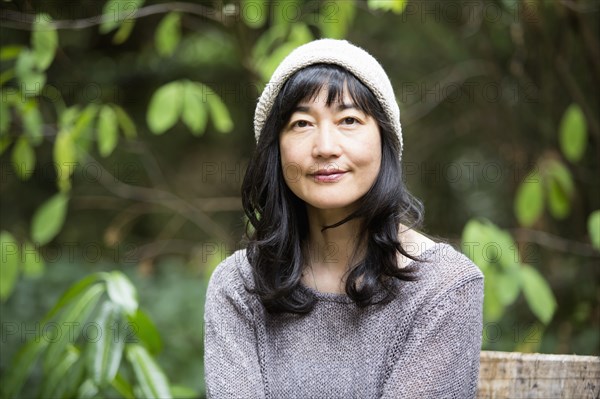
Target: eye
(349,120)
(300,123)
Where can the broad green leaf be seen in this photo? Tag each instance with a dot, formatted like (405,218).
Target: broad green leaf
(559,187)
(474,237)
(493,309)
(4,117)
(396,6)
(21,367)
(183,392)
(254,12)
(125,122)
(218,112)
(9,272)
(122,387)
(65,158)
(69,385)
(53,381)
(558,200)
(538,294)
(117,11)
(529,200)
(33,122)
(152,381)
(23,158)
(83,120)
(32,80)
(336,17)
(194,113)
(573,133)
(6,76)
(33,264)
(44,41)
(168,34)
(87,390)
(74,320)
(146,331)
(69,116)
(124,32)
(5,142)
(105,353)
(10,52)
(72,293)
(121,291)
(593,225)
(49,219)
(504,244)
(508,286)
(165,107)
(299,34)
(107,131)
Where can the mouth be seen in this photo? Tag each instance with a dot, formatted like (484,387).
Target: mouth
(328,175)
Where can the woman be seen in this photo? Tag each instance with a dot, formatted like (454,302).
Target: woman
(337,295)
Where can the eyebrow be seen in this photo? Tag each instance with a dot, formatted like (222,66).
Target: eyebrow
(340,107)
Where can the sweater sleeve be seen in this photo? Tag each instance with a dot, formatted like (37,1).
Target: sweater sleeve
(231,362)
(440,356)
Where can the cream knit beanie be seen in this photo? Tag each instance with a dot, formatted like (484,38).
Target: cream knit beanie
(330,51)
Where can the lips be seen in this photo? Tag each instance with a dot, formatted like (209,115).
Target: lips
(328,175)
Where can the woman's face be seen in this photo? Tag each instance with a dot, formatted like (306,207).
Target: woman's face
(330,155)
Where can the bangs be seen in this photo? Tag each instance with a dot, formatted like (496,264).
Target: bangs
(306,84)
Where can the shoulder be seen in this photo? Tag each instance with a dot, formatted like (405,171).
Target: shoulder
(232,274)
(444,269)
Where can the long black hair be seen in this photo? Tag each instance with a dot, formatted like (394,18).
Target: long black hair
(277,228)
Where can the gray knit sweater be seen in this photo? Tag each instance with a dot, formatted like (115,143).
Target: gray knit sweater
(423,344)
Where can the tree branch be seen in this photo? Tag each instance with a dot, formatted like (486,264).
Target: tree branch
(23,21)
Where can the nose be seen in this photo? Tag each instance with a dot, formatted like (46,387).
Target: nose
(327,141)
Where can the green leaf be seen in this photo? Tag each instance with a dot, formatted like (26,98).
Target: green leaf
(65,158)
(508,286)
(72,293)
(68,387)
(22,366)
(121,291)
(474,237)
(87,390)
(32,261)
(122,387)
(73,320)
(396,6)
(146,331)
(10,52)
(107,131)
(152,381)
(124,32)
(54,380)
(254,12)
(5,142)
(23,158)
(493,309)
(33,122)
(49,219)
(168,34)
(165,107)
(573,133)
(218,112)
(183,392)
(44,41)
(4,117)
(593,225)
(529,200)
(9,271)
(125,122)
(559,187)
(83,121)
(538,294)
(194,108)
(105,353)
(117,11)
(32,80)
(336,18)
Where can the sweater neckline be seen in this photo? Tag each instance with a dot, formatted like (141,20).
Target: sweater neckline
(344,298)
